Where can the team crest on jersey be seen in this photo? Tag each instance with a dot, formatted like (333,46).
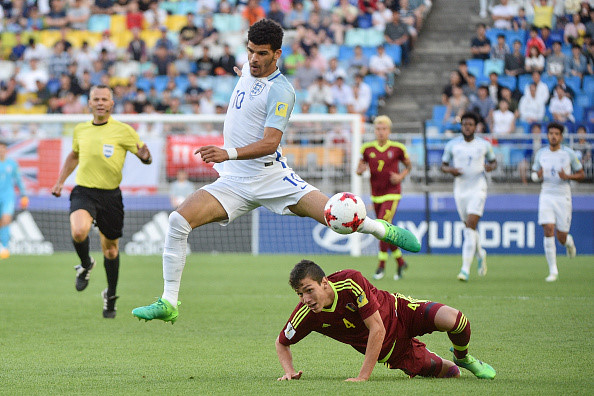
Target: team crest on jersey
(257,88)
(289,331)
(372,155)
(281,109)
(390,154)
(108,150)
(361,300)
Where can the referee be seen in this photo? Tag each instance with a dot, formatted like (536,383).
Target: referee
(99,150)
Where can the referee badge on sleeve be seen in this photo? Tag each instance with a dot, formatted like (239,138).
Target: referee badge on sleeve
(281,109)
(108,150)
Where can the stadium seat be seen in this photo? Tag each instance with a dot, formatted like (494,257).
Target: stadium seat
(354,37)
(574,82)
(122,39)
(144,84)
(169,6)
(493,33)
(175,23)
(49,37)
(439,112)
(150,37)
(345,52)
(369,51)
(373,38)
(300,95)
(493,65)
(551,81)
(184,7)
(99,23)
(377,85)
(182,83)
(395,52)
(523,80)
(328,51)
(475,67)
(317,108)
(508,81)
(433,127)
(511,36)
(588,85)
(160,83)
(118,24)
(557,35)
(227,22)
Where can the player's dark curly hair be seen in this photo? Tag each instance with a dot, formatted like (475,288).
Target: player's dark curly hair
(556,125)
(472,115)
(266,31)
(305,269)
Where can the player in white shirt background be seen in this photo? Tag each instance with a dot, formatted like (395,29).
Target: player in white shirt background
(253,172)
(464,157)
(556,166)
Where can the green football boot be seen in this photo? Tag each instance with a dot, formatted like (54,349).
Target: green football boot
(160,309)
(400,237)
(475,366)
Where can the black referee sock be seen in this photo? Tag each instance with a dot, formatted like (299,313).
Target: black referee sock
(82,249)
(112,270)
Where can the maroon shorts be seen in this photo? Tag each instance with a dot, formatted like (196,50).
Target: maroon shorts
(415,318)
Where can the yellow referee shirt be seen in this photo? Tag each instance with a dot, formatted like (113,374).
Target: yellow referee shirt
(102,151)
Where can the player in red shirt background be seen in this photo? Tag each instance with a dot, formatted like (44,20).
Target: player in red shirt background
(383,157)
(381,325)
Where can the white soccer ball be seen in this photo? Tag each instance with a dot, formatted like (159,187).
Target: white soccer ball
(344,213)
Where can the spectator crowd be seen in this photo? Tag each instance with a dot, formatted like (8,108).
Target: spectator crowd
(177,57)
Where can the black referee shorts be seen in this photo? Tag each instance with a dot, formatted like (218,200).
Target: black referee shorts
(105,206)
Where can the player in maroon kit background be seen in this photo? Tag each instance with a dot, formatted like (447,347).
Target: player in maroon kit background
(379,324)
(383,157)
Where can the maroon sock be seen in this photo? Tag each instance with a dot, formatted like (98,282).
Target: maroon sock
(382,264)
(460,336)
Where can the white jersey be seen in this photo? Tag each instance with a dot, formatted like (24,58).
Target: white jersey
(256,103)
(470,158)
(551,162)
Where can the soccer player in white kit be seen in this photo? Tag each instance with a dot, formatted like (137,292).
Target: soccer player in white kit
(556,165)
(253,172)
(465,157)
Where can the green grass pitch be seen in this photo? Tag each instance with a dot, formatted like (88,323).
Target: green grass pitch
(54,340)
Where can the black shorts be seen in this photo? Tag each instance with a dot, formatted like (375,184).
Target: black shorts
(105,206)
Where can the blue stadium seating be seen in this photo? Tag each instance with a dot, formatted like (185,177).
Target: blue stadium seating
(523,80)
(377,85)
(160,83)
(345,52)
(182,83)
(588,85)
(493,65)
(508,81)
(99,23)
(475,67)
(574,82)
(144,83)
(395,53)
(551,81)
(439,112)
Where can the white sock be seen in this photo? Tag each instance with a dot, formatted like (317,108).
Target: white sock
(569,241)
(468,249)
(551,254)
(174,255)
(373,227)
(479,248)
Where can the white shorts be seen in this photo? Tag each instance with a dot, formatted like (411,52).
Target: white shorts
(470,202)
(556,210)
(276,192)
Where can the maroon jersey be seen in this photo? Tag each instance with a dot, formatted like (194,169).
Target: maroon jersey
(382,161)
(355,300)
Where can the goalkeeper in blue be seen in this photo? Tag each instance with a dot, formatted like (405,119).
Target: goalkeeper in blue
(9,177)
(252,170)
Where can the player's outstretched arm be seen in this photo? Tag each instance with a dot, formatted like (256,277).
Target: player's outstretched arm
(377,332)
(265,146)
(70,163)
(286,360)
(144,154)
